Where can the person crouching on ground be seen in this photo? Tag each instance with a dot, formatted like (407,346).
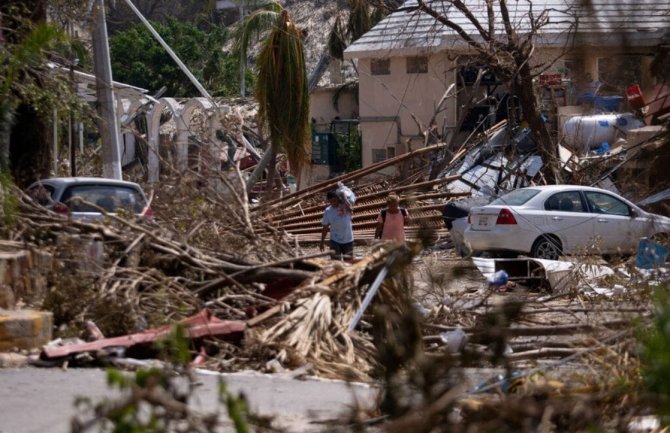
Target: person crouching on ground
(337,218)
(391,221)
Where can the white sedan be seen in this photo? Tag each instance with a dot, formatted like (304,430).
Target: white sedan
(554,220)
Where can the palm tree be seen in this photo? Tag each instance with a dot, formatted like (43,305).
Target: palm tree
(281,89)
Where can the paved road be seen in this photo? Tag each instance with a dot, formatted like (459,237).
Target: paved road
(41,400)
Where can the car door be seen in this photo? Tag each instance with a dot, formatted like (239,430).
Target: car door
(568,217)
(615,229)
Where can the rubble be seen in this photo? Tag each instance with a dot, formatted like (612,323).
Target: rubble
(262,302)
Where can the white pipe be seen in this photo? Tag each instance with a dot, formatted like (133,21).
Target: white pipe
(55,142)
(80,129)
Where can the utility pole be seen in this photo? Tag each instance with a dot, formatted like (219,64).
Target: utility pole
(71,130)
(243,61)
(109,125)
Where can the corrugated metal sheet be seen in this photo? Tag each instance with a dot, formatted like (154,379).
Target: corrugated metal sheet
(407,30)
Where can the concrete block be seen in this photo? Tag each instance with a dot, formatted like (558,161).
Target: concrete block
(22,276)
(24,329)
(13,360)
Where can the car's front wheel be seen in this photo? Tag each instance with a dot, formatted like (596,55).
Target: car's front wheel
(546,247)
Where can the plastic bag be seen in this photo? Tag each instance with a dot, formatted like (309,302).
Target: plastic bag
(346,194)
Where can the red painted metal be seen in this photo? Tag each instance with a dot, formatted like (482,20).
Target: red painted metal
(203,324)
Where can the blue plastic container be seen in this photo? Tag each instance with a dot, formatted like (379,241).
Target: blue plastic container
(607,104)
(650,255)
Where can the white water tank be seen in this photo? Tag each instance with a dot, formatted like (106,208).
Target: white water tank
(581,133)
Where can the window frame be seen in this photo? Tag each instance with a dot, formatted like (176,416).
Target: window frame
(416,64)
(380,66)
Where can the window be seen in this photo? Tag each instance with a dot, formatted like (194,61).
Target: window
(417,65)
(567,201)
(108,197)
(606,204)
(390,152)
(380,67)
(378,155)
(42,194)
(517,197)
(320,145)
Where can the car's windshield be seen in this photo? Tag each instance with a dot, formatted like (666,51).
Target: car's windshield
(517,197)
(108,197)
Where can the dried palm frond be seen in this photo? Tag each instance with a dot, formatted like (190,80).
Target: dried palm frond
(315,326)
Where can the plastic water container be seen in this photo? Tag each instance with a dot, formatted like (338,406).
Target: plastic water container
(585,132)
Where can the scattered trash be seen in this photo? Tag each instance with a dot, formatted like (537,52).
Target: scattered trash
(650,255)
(455,340)
(616,290)
(499,278)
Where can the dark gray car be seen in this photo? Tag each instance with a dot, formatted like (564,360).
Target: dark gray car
(87,197)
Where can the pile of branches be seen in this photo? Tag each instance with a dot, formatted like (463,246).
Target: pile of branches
(297,307)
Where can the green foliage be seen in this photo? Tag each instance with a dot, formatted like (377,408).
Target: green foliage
(349,150)
(282,92)
(9,204)
(26,77)
(362,17)
(238,411)
(254,27)
(138,59)
(174,348)
(655,354)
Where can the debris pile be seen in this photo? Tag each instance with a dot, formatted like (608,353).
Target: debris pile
(291,310)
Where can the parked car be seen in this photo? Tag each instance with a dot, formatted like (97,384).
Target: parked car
(554,220)
(87,197)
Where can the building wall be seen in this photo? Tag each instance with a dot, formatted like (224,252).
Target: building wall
(322,109)
(389,102)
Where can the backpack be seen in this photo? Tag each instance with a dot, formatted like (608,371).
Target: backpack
(403,211)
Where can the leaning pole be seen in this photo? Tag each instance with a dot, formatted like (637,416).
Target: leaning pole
(108,124)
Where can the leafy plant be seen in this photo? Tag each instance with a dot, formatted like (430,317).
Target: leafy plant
(138,59)
(655,356)
(8,201)
(349,150)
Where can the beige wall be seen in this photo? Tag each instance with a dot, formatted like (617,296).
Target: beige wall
(322,109)
(388,102)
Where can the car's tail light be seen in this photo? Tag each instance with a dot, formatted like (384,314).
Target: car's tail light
(469,220)
(148,213)
(60,208)
(505,217)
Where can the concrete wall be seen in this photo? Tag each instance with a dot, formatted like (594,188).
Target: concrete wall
(322,108)
(387,103)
